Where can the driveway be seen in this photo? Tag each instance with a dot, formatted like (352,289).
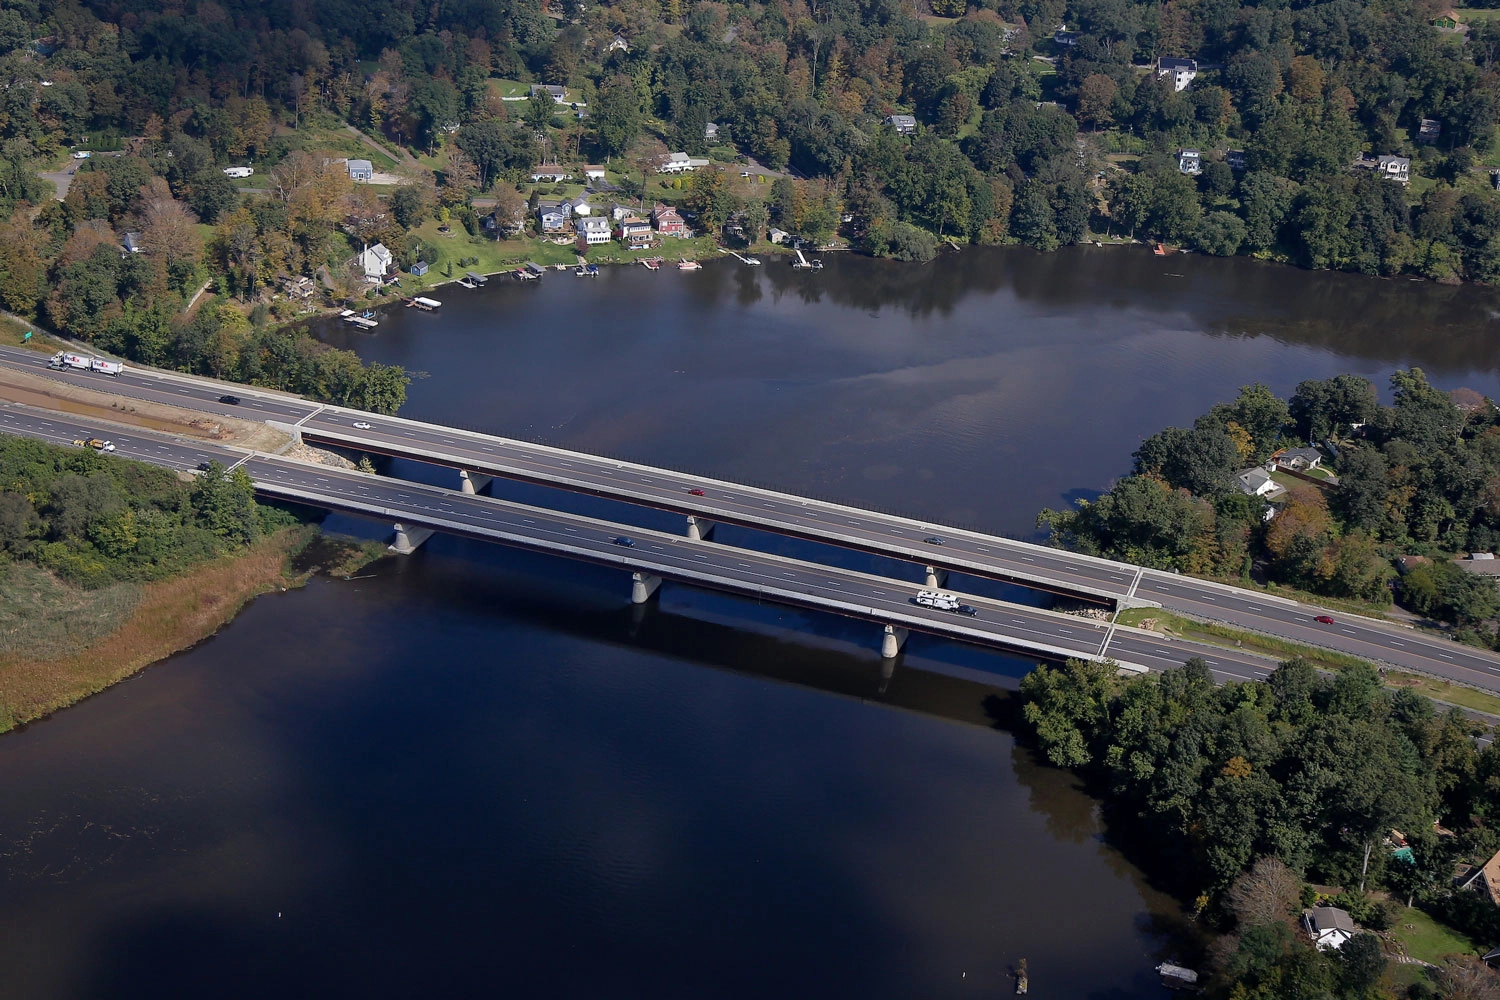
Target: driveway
(61,179)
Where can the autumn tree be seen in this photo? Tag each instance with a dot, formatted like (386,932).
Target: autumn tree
(1096,98)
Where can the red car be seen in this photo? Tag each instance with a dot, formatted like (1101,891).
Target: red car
(1324,619)
(695,492)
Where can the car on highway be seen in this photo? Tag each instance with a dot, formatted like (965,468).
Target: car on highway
(360,425)
(933,540)
(231,400)
(204,466)
(695,492)
(624,540)
(1324,619)
(967,609)
(936,599)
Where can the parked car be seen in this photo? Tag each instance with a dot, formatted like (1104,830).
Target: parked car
(231,400)
(1325,619)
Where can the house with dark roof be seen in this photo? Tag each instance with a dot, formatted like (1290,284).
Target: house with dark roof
(1428,130)
(1299,459)
(903,124)
(558,94)
(1328,926)
(1065,38)
(361,170)
(1182,71)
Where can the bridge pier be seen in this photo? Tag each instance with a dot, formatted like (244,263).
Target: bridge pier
(408,540)
(642,586)
(892,642)
(473,482)
(936,577)
(887,671)
(698,529)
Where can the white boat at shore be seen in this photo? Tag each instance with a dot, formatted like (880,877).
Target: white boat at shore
(689,265)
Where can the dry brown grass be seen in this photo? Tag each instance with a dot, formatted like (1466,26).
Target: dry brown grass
(172,615)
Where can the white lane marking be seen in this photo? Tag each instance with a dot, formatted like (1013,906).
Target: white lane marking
(1350,631)
(1207,598)
(1397,642)
(1447,657)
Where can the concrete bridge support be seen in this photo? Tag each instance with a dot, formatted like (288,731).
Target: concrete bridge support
(887,671)
(409,539)
(892,642)
(936,577)
(642,586)
(473,482)
(698,529)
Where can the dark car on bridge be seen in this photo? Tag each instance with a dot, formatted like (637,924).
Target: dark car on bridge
(624,540)
(231,400)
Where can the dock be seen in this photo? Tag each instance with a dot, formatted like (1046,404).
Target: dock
(803,263)
(753,261)
(364,322)
(423,303)
(651,263)
(475,279)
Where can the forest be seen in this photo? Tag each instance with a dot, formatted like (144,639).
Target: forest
(1271,795)
(1417,479)
(94,519)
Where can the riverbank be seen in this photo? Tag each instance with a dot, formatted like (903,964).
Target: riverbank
(149,622)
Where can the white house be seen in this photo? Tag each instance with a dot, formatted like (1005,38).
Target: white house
(558,94)
(594,172)
(1181,71)
(1395,168)
(238,173)
(677,163)
(549,174)
(619,44)
(1190,161)
(375,261)
(903,124)
(578,206)
(1257,482)
(1328,926)
(778,236)
(711,131)
(593,230)
(361,170)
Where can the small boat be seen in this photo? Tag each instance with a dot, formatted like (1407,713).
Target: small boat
(651,263)
(689,265)
(523,275)
(1021,982)
(803,263)
(465,282)
(1176,977)
(1160,250)
(423,303)
(588,271)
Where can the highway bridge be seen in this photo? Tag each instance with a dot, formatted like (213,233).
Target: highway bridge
(983,555)
(655,556)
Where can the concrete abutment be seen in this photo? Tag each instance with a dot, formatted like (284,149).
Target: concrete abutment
(642,586)
(409,539)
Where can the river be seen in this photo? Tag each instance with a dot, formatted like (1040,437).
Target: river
(477,770)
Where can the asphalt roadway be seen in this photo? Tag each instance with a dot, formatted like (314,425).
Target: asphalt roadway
(703,563)
(960,550)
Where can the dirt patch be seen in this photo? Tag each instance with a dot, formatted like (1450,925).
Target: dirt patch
(170,616)
(320,456)
(39,391)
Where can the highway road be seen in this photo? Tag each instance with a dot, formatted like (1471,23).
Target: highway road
(670,556)
(961,550)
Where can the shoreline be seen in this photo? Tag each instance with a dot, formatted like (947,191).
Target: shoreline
(171,616)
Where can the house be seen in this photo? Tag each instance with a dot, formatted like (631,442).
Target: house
(618,45)
(1190,161)
(1299,459)
(593,172)
(620,213)
(635,233)
(375,261)
(578,206)
(552,215)
(1447,20)
(1481,564)
(903,124)
(666,221)
(300,287)
(778,236)
(419,268)
(1236,160)
(1405,564)
(1328,926)
(558,94)
(132,243)
(1428,130)
(1065,38)
(361,170)
(1395,168)
(549,175)
(677,163)
(238,173)
(593,230)
(1485,878)
(711,132)
(1257,482)
(1181,71)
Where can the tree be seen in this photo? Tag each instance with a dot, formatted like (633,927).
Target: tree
(615,114)
(540,108)
(1221,234)
(1202,460)
(1096,98)
(1266,894)
(409,205)
(1362,963)
(1066,706)
(18,522)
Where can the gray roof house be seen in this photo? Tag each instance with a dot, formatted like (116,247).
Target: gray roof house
(1328,926)
(361,170)
(1395,168)
(1257,482)
(558,94)
(903,124)
(132,243)
(1299,459)
(1182,71)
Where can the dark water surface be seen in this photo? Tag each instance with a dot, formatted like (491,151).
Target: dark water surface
(482,772)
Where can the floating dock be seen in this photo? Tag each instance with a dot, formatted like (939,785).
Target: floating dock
(423,303)
(365,322)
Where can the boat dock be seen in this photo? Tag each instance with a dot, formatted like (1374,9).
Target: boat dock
(651,263)
(423,303)
(805,264)
(743,259)
(364,322)
(474,280)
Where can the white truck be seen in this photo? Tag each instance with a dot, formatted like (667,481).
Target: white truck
(943,602)
(84,363)
(102,366)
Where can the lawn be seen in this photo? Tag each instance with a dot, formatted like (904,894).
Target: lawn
(13,334)
(509,88)
(1427,940)
(337,142)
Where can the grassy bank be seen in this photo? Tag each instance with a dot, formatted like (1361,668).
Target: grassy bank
(59,644)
